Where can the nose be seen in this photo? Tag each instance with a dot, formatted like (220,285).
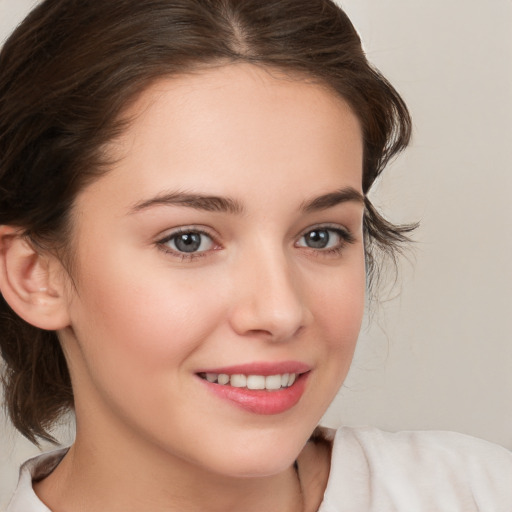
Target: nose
(267,299)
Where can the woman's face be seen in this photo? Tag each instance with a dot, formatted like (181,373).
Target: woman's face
(222,250)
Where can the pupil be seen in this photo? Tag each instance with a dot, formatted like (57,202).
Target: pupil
(188,242)
(317,239)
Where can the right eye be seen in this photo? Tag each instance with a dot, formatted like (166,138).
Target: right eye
(187,242)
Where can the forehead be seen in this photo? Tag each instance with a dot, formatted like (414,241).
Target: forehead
(240,124)
(240,97)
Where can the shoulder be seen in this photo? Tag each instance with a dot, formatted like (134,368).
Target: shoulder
(24,498)
(420,471)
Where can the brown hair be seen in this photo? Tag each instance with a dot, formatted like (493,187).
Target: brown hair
(70,68)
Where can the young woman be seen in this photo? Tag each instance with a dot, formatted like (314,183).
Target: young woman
(185,244)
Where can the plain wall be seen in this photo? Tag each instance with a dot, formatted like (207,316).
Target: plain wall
(439,356)
(443,359)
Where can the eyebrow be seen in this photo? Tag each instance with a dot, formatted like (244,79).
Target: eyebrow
(196,201)
(326,201)
(230,205)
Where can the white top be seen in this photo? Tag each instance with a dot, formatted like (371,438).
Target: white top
(375,471)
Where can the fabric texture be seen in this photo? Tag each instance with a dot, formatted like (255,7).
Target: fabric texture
(376,471)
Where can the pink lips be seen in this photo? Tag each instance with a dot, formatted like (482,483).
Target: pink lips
(261,401)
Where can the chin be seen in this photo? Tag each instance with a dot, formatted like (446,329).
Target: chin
(260,454)
(259,465)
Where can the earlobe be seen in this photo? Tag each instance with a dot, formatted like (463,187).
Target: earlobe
(31,282)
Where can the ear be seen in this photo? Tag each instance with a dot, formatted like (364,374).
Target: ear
(32,283)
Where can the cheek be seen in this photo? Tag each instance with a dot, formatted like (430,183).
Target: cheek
(139,321)
(339,308)
(339,302)
(341,324)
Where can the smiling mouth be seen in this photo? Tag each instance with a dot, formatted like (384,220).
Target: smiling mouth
(261,382)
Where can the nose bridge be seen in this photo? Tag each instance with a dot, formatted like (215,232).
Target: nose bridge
(269,299)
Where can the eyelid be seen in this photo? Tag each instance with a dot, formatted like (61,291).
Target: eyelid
(193,228)
(161,241)
(338,228)
(343,232)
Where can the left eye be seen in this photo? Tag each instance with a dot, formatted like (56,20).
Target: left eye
(321,238)
(189,242)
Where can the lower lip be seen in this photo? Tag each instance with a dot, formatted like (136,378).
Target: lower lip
(260,401)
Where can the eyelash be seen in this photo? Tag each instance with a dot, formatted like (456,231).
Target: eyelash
(183,255)
(345,238)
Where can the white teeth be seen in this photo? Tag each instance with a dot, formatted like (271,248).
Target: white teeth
(223,378)
(271,382)
(238,381)
(255,382)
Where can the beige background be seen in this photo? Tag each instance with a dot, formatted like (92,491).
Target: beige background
(440,355)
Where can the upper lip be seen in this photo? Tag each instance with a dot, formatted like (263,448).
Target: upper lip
(260,368)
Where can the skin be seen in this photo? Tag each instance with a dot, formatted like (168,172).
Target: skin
(142,320)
